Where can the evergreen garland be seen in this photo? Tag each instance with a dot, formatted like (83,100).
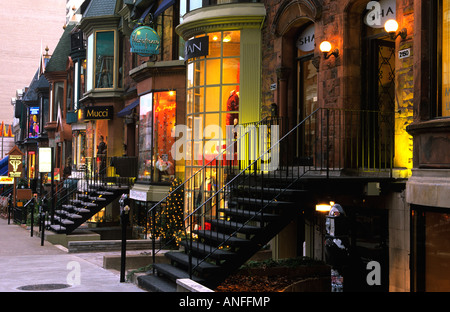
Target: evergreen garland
(169,220)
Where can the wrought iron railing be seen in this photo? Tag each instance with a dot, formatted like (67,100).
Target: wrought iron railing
(327,142)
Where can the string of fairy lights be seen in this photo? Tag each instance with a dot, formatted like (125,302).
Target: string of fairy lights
(167,223)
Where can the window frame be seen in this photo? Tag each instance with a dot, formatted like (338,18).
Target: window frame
(91,61)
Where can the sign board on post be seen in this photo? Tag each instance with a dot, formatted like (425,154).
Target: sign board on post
(15,163)
(45,159)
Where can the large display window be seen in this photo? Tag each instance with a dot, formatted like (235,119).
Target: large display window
(443,103)
(213,93)
(156,122)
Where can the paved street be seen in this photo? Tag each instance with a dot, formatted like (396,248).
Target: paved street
(27,266)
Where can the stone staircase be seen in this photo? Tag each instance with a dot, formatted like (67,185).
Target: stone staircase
(82,204)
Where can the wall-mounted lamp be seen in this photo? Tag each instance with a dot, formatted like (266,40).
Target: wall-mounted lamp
(324,207)
(391,26)
(325,48)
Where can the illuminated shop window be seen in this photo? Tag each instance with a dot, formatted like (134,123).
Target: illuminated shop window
(443,103)
(213,83)
(156,121)
(33,122)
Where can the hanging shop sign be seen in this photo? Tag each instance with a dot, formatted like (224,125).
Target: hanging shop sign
(98,112)
(306,42)
(145,41)
(379,12)
(196,47)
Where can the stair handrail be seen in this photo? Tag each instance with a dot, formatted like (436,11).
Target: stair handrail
(228,184)
(220,156)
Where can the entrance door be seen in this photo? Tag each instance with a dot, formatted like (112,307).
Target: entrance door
(306,104)
(378,104)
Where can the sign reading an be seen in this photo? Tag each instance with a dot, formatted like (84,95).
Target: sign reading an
(196,47)
(145,41)
(98,112)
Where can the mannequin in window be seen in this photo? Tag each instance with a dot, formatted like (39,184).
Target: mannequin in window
(233,105)
(101,155)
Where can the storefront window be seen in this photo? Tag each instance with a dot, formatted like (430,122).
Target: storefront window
(33,122)
(90,63)
(156,121)
(431,249)
(213,83)
(58,100)
(443,104)
(100,63)
(104,56)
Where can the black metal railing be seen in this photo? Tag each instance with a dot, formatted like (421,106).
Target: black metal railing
(325,142)
(97,174)
(220,167)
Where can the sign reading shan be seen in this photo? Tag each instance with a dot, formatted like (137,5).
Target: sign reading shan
(98,112)
(145,41)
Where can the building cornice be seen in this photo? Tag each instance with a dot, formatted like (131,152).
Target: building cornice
(222,17)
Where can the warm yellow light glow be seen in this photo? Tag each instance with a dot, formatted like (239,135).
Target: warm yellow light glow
(215,38)
(325,46)
(391,26)
(323,208)
(227,38)
(171,93)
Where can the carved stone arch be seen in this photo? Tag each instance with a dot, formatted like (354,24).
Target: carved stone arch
(292,12)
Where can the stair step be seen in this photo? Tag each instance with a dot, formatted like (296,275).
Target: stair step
(57,228)
(255,215)
(69,207)
(221,237)
(97,198)
(88,204)
(75,201)
(73,216)
(235,226)
(183,259)
(174,273)
(156,284)
(82,210)
(275,190)
(261,202)
(218,254)
(105,193)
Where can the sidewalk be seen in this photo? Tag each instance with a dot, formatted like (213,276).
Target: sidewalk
(28,266)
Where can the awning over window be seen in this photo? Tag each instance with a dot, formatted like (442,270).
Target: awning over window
(127,110)
(164,6)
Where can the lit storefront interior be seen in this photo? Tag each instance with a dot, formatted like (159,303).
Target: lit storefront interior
(213,89)
(156,122)
(223,88)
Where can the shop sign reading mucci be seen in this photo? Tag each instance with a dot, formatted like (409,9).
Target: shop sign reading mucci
(145,41)
(98,112)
